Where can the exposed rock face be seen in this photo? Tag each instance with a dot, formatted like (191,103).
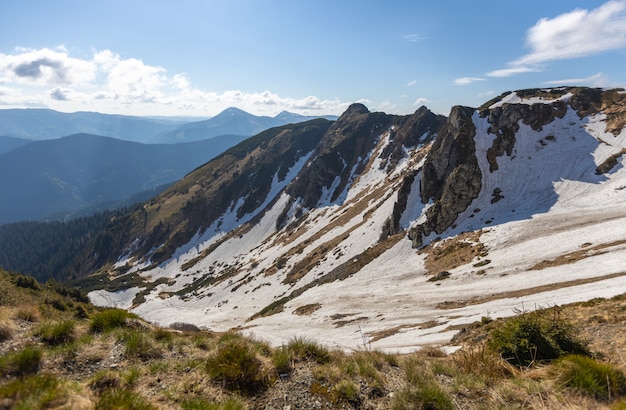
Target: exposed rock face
(344,150)
(451,177)
(505,124)
(344,147)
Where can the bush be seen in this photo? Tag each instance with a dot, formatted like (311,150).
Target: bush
(236,365)
(23,362)
(108,320)
(56,333)
(536,336)
(598,380)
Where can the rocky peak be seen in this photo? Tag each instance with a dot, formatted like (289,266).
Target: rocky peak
(353,109)
(451,176)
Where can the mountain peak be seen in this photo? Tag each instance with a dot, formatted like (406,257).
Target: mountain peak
(232,111)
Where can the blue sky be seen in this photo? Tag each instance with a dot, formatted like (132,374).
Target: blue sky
(196,58)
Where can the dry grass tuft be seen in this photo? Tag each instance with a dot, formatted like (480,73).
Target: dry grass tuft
(454,252)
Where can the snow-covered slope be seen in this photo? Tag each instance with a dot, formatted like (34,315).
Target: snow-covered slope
(547,226)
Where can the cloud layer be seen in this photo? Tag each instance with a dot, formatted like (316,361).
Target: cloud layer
(106,82)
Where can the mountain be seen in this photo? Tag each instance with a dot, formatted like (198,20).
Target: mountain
(43,124)
(231,121)
(287,117)
(394,231)
(84,173)
(10,143)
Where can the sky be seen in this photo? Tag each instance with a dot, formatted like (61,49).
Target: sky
(198,57)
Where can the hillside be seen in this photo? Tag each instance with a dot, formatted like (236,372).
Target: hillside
(57,351)
(86,173)
(10,143)
(396,230)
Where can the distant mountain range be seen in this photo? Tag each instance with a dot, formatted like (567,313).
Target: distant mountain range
(85,173)
(43,124)
(55,165)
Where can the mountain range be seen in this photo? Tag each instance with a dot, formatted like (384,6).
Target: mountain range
(43,124)
(393,231)
(79,163)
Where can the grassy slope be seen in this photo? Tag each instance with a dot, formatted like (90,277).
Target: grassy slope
(58,352)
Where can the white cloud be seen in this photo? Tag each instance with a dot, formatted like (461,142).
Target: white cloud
(467,80)
(413,38)
(421,101)
(410,83)
(575,34)
(507,72)
(45,66)
(596,80)
(106,82)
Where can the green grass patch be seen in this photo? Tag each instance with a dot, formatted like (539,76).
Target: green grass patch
(116,399)
(139,345)
(199,403)
(34,392)
(22,362)
(236,365)
(56,333)
(108,320)
(302,350)
(594,379)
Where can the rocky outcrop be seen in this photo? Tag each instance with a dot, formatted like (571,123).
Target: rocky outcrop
(451,176)
(505,120)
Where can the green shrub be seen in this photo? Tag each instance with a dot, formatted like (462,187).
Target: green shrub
(56,333)
(116,399)
(536,336)
(236,364)
(23,362)
(108,320)
(34,392)
(592,378)
(27,282)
